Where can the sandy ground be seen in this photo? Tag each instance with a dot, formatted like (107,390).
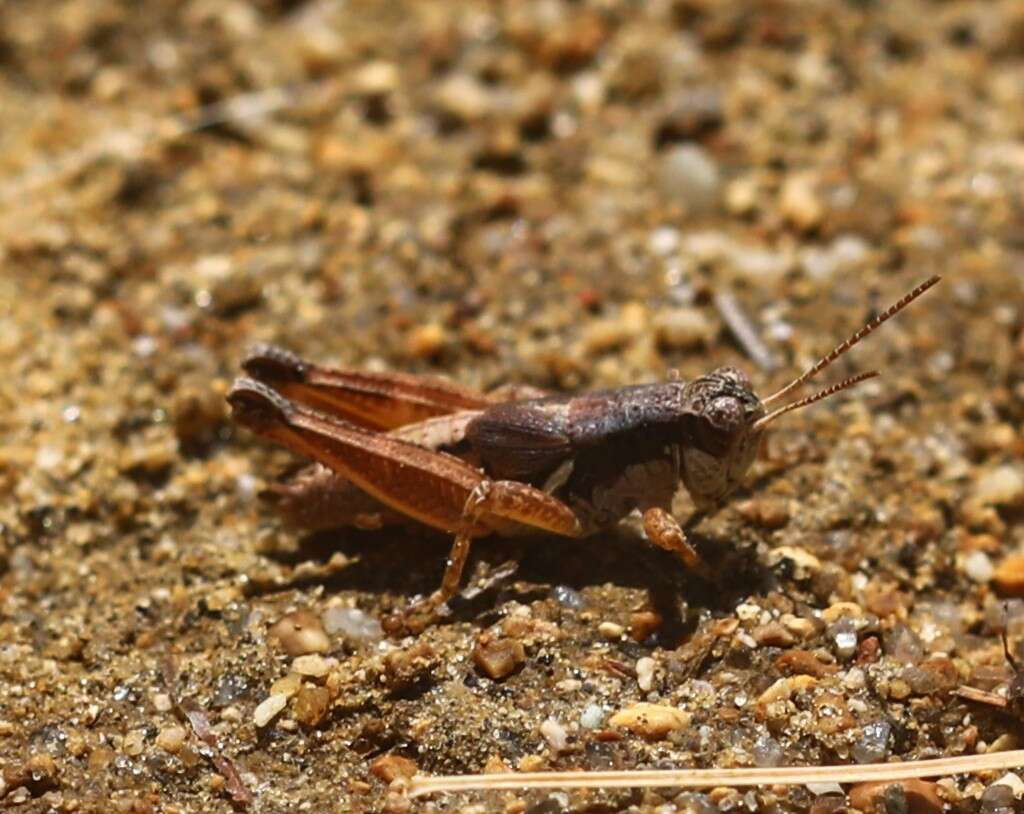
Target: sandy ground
(552,193)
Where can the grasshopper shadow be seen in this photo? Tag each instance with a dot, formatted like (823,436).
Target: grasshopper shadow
(400,564)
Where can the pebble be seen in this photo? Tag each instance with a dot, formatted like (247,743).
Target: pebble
(804,562)
(798,625)
(645,673)
(690,176)
(684,328)
(611,630)
(568,597)
(554,733)
(803,662)
(268,709)
(784,688)
(134,742)
(1013,782)
(352,624)
(921,796)
(800,203)
(393,767)
(313,665)
(978,567)
(375,78)
(1009,576)
(767,752)
(463,97)
(844,638)
(873,744)
(427,341)
(162,702)
(603,335)
(171,739)
(642,624)
(311,705)
(997,799)
(1003,486)
(652,721)
(592,716)
(498,657)
(904,645)
(773,635)
(286,685)
(299,633)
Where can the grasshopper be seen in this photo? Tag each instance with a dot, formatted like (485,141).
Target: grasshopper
(395,446)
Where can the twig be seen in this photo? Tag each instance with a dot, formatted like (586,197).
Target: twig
(196,716)
(705,778)
(743,329)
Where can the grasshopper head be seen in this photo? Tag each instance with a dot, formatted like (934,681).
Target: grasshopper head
(728,419)
(725,438)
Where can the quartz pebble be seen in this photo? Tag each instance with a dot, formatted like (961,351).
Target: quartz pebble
(352,624)
(268,709)
(873,744)
(1002,486)
(554,733)
(978,567)
(690,176)
(592,716)
(645,673)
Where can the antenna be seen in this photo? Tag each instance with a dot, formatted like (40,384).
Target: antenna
(831,390)
(843,347)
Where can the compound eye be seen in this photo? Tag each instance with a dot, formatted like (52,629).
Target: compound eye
(725,413)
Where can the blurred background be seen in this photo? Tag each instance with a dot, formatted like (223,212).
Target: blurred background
(565,194)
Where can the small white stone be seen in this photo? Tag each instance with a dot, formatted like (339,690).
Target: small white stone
(554,733)
(352,624)
(978,567)
(162,702)
(49,457)
(268,709)
(1014,782)
(690,175)
(854,679)
(824,788)
(610,630)
(645,673)
(592,716)
(1003,486)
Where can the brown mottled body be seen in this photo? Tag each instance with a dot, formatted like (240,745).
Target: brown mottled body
(474,464)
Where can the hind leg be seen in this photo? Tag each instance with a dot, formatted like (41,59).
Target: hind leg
(316,499)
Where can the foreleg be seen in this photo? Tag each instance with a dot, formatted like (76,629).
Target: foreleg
(664,531)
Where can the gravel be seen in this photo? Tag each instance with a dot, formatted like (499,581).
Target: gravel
(553,194)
